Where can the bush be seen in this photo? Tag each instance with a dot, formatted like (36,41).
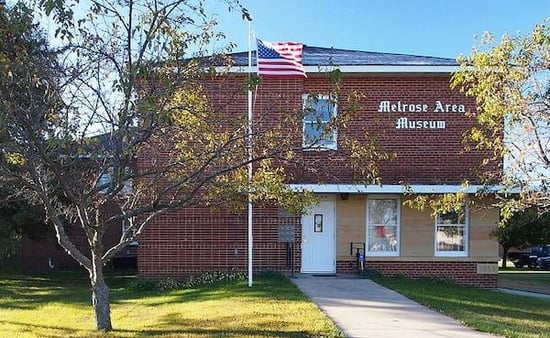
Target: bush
(204,279)
(10,243)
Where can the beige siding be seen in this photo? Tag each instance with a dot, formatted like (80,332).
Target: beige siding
(350,224)
(482,222)
(417,231)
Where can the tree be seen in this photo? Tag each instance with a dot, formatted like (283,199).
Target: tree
(523,229)
(23,54)
(135,74)
(18,218)
(510,83)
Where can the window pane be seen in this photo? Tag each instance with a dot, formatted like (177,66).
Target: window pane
(383,226)
(451,217)
(320,110)
(312,132)
(450,238)
(382,212)
(382,238)
(318,223)
(105,181)
(323,107)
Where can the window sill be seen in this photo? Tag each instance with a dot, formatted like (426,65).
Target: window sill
(451,254)
(382,254)
(318,148)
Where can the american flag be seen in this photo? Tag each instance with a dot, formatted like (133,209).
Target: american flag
(280,59)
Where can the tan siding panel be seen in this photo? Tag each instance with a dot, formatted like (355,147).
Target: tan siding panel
(417,232)
(350,224)
(482,222)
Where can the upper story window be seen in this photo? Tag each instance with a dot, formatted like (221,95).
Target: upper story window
(105,182)
(451,234)
(383,226)
(318,113)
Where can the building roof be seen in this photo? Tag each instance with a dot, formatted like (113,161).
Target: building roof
(320,56)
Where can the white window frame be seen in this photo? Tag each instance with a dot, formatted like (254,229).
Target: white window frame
(466,236)
(306,100)
(386,253)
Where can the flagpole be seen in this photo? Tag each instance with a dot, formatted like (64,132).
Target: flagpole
(249,131)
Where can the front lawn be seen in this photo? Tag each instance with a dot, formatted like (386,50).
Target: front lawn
(484,310)
(58,305)
(527,280)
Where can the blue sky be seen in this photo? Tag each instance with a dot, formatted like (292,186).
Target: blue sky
(421,27)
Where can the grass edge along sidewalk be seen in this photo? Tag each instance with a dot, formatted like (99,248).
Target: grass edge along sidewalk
(531,280)
(483,310)
(58,305)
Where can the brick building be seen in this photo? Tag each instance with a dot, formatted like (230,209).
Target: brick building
(406,103)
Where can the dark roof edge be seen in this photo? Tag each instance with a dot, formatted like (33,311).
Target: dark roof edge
(322,56)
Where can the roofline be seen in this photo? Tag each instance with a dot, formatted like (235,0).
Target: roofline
(393,188)
(359,69)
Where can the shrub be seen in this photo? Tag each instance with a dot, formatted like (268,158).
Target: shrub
(204,279)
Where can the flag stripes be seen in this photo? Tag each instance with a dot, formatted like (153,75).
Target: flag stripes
(280,59)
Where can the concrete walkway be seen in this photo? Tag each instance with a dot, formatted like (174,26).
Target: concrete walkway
(362,308)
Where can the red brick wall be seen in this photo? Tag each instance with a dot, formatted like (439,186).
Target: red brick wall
(37,255)
(194,240)
(464,273)
(424,156)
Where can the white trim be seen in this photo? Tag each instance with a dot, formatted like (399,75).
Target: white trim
(333,114)
(466,237)
(392,188)
(359,69)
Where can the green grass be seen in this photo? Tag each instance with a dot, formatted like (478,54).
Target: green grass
(58,305)
(526,280)
(484,310)
(533,276)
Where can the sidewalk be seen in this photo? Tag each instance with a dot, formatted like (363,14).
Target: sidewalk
(362,308)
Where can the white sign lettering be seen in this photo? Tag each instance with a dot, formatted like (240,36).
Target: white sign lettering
(405,123)
(405,107)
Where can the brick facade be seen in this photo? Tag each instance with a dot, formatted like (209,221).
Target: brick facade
(193,240)
(427,156)
(464,273)
(46,254)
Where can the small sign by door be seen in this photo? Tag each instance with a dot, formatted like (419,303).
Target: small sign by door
(286,233)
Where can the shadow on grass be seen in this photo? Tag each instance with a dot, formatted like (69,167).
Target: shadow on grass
(188,328)
(277,287)
(72,287)
(31,291)
(489,308)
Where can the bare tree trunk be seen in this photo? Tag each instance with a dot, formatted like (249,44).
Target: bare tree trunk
(504,257)
(100,290)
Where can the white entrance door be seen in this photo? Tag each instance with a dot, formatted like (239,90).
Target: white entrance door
(318,239)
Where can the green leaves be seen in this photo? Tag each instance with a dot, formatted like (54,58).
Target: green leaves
(510,82)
